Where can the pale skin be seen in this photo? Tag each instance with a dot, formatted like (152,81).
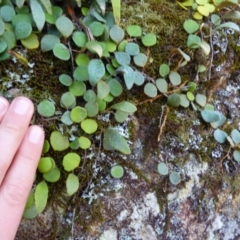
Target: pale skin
(20,151)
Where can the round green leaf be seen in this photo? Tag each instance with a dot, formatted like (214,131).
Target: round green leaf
(23,30)
(3,45)
(134,31)
(96,28)
(90,96)
(58,141)
(96,70)
(201,99)
(68,100)
(72,184)
(138,78)
(125,107)
(122,45)
(140,59)
(48,42)
(149,40)
(115,87)
(82,59)
(77,88)
(164,70)
(101,105)
(116,34)
(41,196)
(45,164)
(190,26)
(193,41)
(132,49)
(95,47)
(46,108)
(7,13)
(66,119)
(122,58)
(220,121)
(117,172)
(184,101)
(220,136)
(79,38)
(46,146)
(89,126)
(163,168)
(235,135)
(236,155)
(120,116)
(71,161)
(174,78)
(209,115)
(190,96)
(102,89)
(110,46)
(78,114)
(84,142)
(162,85)
(92,109)
(174,178)
(2,27)
(174,100)
(9,38)
(74,144)
(191,86)
(61,51)
(150,90)
(21,18)
(53,175)
(65,79)
(31,42)
(64,26)
(81,73)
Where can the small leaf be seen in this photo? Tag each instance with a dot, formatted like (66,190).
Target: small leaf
(132,49)
(84,142)
(193,41)
(61,51)
(82,59)
(41,196)
(201,68)
(116,34)
(45,164)
(79,38)
(68,100)
(174,100)
(174,178)
(174,78)
(231,25)
(48,6)
(72,184)
(58,141)
(134,31)
(96,28)
(96,71)
(38,14)
(94,47)
(65,79)
(163,168)
(48,42)
(77,88)
(117,171)
(71,161)
(205,47)
(128,74)
(23,30)
(66,119)
(2,27)
(120,116)
(220,121)
(125,107)
(115,87)
(203,10)
(92,109)
(201,99)
(89,126)
(138,78)
(81,73)
(209,116)
(190,26)
(150,90)
(184,101)
(164,70)
(3,45)
(53,175)
(235,135)
(78,114)
(31,42)
(149,40)
(220,136)
(122,58)
(64,26)
(236,155)
(190,96)
(102,89)
(90,96)
(46,108)
(140,59)
(116,141)
(7,13)
(162,85)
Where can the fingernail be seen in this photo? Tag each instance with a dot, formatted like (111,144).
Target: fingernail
(35,135)
(3,105)
(21,106)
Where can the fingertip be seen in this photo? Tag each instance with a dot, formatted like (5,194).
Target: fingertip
(3,106)
(35,134)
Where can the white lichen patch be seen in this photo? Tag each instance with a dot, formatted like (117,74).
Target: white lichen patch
(109,234)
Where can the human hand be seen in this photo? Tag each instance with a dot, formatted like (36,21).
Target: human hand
(20,151)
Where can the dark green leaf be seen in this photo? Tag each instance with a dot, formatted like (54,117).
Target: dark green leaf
(46,108)
(23,30)
(41,196)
